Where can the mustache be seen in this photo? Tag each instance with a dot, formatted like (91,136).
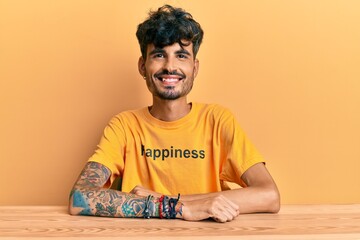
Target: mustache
(167,72)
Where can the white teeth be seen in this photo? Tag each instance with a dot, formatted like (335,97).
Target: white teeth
(170,79)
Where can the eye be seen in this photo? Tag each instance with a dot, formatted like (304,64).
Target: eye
(182,56)
(159,55)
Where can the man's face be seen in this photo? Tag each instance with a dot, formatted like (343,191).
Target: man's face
(169,71)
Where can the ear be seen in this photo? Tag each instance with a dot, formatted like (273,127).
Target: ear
(141,66)
(196,67)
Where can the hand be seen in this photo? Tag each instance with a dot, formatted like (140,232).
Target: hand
(219,208)
(144,192)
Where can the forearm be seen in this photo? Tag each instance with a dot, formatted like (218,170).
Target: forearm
(256,199)
(249,200)
(109,202)
(112,203)
(89,198)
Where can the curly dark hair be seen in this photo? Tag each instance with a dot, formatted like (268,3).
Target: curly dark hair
(169,25)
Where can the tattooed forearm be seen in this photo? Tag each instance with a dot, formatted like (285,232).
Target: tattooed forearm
(111,203)
(89,198)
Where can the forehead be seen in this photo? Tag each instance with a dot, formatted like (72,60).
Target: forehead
(175,47)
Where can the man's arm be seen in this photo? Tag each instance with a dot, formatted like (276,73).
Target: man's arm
(88,197)
(260,195)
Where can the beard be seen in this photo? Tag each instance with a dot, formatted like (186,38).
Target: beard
(170,93)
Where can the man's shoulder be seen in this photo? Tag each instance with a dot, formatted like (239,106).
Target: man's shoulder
(128,115)
(214,109)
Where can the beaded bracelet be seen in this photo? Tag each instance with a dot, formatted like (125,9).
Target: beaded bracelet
(161,199)
(146,208)
(167,207)
(172,204)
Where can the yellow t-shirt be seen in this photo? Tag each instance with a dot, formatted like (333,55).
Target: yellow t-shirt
(191,155)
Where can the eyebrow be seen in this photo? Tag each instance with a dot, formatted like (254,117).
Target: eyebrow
(183,51)
(161,50)
(157,50)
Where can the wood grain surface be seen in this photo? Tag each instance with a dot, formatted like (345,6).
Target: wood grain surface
(293,222)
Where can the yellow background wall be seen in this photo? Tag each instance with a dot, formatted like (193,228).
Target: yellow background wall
(289,70)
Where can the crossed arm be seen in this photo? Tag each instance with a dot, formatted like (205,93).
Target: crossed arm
(88,197)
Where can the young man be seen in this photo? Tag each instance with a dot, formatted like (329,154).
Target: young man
(173,157)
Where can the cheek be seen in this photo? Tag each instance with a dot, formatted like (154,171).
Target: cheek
(190,71)
(152,67)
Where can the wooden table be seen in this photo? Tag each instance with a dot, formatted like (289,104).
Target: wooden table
(293,222)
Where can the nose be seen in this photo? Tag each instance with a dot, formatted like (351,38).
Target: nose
(170,64)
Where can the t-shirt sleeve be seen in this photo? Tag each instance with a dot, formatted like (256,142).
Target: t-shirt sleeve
(110,150)
(240,153)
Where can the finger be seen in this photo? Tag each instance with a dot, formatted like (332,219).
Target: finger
(224,210)
(220,214)
(220,217)
(223,216)
(231,204)
(220,220)
(135,189)
(230,210)
(226,215)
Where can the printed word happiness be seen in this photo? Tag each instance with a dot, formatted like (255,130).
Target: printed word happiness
(171,153)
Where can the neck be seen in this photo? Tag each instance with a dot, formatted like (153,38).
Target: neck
(169,110)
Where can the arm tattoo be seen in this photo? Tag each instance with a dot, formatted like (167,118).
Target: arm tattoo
(89,197)
(94,175)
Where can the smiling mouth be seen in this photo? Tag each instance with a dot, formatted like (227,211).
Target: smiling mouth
(169,77)
(169,80)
